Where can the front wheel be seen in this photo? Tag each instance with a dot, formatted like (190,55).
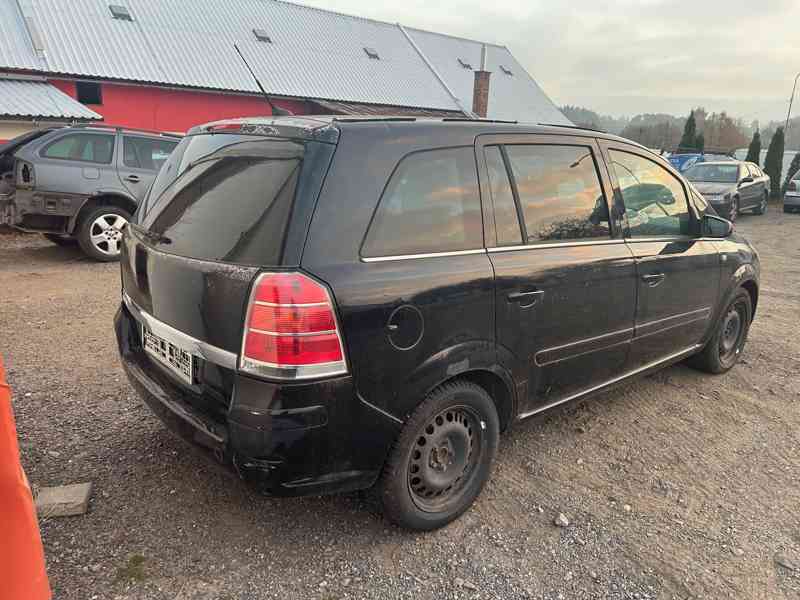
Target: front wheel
(725,347)
(442,459)
(100,232)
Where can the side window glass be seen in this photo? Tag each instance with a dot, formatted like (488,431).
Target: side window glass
(746,172)
(145,153)
(82,147)
(431,204)
(559,193)
(655,201)
(505,209)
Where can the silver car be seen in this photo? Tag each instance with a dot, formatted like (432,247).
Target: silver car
(731,186)
(80,184)
(791,199)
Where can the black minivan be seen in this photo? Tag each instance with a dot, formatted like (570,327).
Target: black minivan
(326,303)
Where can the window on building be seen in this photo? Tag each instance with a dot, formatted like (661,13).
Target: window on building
(146,153)
(120,12)
(89,92)
(655,201)
(431,204)
(83,147)
(506,221)
(559,192)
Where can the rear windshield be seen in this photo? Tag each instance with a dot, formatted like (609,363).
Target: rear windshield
(713,173)
(224,197)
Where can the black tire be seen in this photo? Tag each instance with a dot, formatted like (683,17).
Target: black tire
(61,240)
(761,209)
(456,427)
(727,342)
(107,250)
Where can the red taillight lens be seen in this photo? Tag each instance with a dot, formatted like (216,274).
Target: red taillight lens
(291,330)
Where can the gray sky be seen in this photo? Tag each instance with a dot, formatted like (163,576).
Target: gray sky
(630,56)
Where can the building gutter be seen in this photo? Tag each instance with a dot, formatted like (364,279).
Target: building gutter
(433,70)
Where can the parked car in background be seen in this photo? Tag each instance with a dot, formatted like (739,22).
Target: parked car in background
(685,161)
(327,304)
(791,199)
(731,187)
(80,183)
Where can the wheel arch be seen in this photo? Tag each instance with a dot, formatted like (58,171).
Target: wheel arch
(752,288)
(474,361)
(116,199)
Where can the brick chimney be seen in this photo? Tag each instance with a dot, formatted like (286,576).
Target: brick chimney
(480,90)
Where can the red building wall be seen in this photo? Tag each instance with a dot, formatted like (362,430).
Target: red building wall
(164,109)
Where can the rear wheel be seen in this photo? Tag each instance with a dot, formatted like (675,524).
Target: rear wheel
(727,342)
(61,240)
(100,232)
(442,459)
(761,208)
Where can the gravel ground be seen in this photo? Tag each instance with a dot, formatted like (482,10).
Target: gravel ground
(680,485)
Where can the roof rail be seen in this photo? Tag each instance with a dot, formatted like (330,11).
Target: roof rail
(478,120)
(572,127)
(120,128)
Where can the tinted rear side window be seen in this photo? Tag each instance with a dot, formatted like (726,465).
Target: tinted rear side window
(431,204)
(506,220)
(82,147)
(559,192)
(146,153)
(225,198)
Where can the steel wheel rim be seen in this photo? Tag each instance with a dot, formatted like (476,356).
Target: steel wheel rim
(444,458)
(105,233)
(733,329)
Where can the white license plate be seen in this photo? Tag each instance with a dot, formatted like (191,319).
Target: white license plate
(177,359)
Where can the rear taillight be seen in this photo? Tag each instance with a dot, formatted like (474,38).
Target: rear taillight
(291,330)
(25,175)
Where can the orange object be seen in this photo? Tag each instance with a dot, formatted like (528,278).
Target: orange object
(22,570)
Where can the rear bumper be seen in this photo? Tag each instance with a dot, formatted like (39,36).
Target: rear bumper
(286,440)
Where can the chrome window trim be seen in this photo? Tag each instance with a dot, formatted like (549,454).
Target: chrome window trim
(369,259)
(598,242)
(206,351)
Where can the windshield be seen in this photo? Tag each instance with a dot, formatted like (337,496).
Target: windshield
(713,173)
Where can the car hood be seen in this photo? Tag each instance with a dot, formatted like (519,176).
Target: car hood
(713,189)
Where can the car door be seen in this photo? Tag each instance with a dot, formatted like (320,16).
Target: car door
(140,160)
(74,163)
(678,270)
(749,191)
(565,279)
(760,181)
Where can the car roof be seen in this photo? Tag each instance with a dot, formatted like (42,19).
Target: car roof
(327,127)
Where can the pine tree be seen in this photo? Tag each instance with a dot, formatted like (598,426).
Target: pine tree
(700,142)
(689,140)
(754,150)
(793,168)
(773,163)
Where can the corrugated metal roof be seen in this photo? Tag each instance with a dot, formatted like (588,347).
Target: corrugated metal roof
(16,49)
(314,53)
(381,110)
(40,100)
(514,97)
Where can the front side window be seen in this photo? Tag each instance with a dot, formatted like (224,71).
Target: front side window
(431,204)
(655,201)
(146,153)
(82,147)
(559,192)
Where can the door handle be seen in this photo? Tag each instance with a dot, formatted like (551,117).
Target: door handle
(525,299)
(653,279)
(132,178)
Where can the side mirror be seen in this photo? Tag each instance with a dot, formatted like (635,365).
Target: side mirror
(746,180)
(716,227)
